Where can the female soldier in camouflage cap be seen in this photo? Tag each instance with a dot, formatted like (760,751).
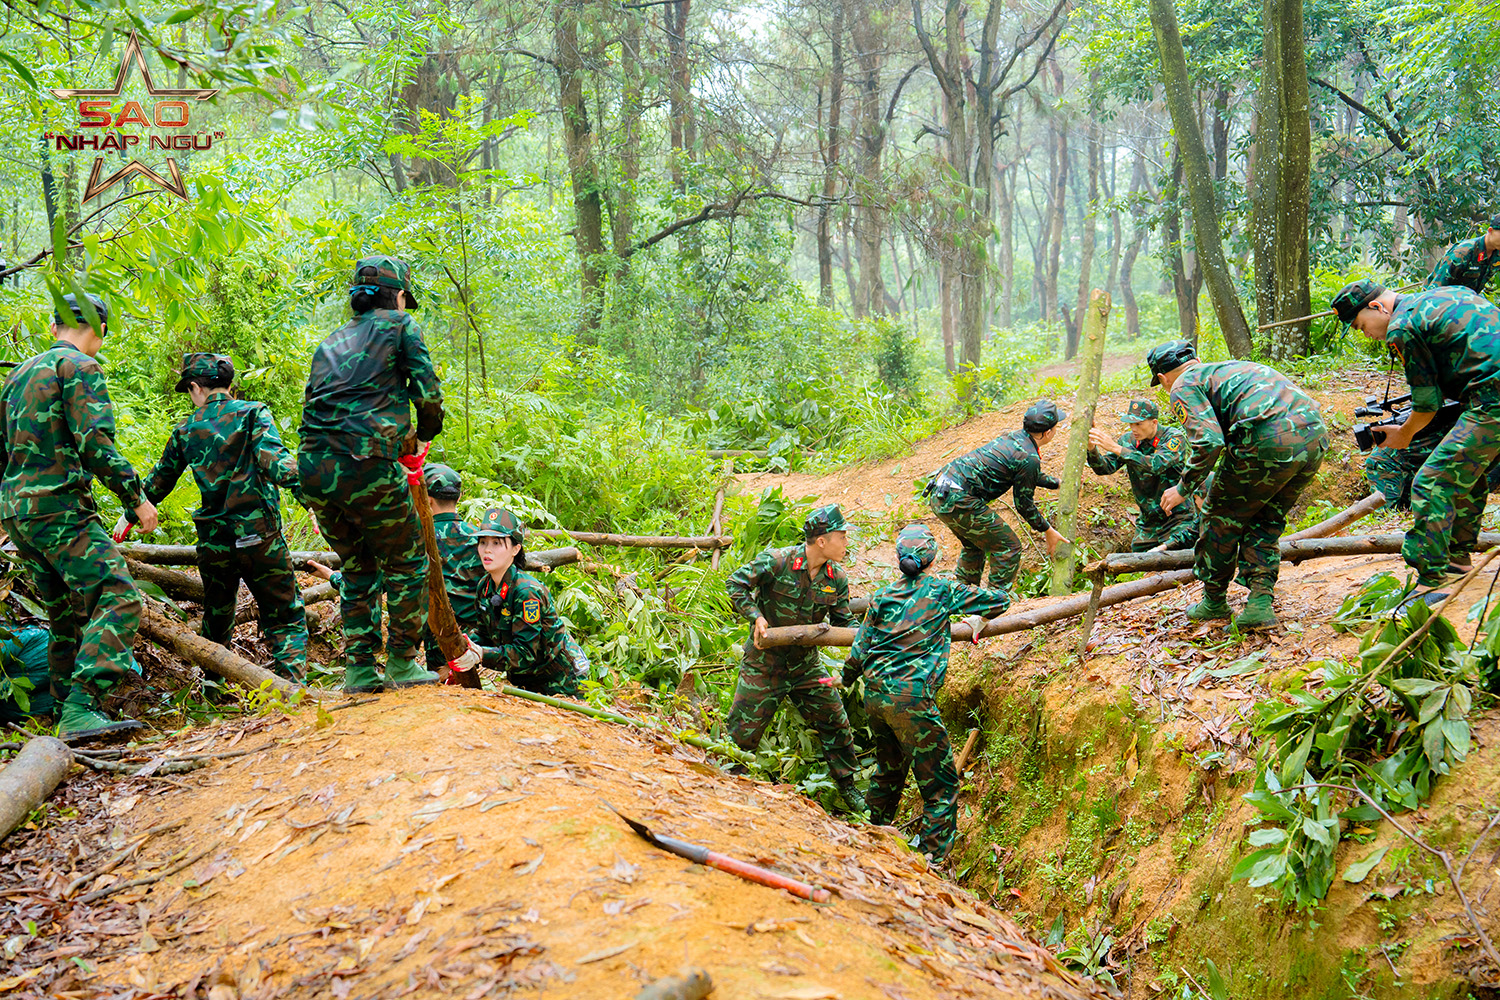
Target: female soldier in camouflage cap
(518,630)
(902,652)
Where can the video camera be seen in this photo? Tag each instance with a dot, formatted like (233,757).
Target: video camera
(1399,408)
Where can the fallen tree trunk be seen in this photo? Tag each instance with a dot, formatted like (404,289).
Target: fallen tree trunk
(1072,607)
(187,555)
(316,594)
(29,778)
(174,582)
(1292,551)
(552,558)
(640,541)
(210,655)
(1342,519)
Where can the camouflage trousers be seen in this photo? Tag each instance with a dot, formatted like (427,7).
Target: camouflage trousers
(266,568)
(982,534)
(92,604)
(1449,493)
(365,511)
(561,680)
(1244,518)
(910,735)
(1390,472)
(766,677)
(1175,533)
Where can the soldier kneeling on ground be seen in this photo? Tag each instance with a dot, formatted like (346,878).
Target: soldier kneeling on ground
(1153,456)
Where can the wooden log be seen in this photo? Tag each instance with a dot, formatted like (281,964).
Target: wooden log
(316,594)
(1342,519)
(1092,348)
(29,778)
(440,619)
(963,757)
(639,541)
(210,655)
(187,555)
(1292,551)
(552,558)
(173,582)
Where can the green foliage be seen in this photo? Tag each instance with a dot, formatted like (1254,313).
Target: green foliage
(895,358)
(1388,729)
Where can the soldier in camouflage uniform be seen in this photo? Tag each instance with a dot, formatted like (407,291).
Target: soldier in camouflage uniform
(57,429)
(238,460)
(355,437)
(960,494)
(1448,340)
(458,544)
(1272,440)
(1153,457)
(1390,471)
(799,585)
(901,650)
(1470,263)
(518,630)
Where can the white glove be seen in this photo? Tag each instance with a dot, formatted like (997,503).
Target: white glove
(121,529)
(468,659)
(975,623)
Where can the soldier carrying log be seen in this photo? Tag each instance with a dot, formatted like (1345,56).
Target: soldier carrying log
(57,429)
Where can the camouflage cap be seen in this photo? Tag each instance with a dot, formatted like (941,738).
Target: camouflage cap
(1140,409)
(388,273)
(916,542)
(443,483)
(203,367)
(501,523)
(823,520)
(75,316)
(1354,296)
(1165,357)
(1042,416)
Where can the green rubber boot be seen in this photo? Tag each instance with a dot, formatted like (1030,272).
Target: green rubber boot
(1211,607)
(1258,614)
(82,720)
(361,678)
(854,800)
(405,672)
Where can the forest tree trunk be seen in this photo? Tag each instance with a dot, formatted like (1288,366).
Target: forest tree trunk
(1090,235)
(583,171)
(831,157)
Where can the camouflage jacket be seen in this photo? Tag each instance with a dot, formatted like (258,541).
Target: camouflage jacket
(904,640)
(364,379)
(1467,264)
(462,569)
(518,630)
(237,459)
(1010,462)
(1256,411)
(1449,342)
(776,586)
(1153,466)
(57,429)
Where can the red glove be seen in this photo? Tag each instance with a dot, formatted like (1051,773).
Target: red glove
(413,465)
(121,530)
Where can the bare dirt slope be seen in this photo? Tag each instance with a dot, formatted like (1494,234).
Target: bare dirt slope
(457,842)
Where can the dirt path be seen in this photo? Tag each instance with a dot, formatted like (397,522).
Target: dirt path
(456,842)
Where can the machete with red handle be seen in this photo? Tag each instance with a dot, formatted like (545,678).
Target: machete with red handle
(723,862)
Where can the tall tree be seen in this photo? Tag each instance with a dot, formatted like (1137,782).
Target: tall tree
(1090,235)
(1198,176)
(583,169)
(831,153)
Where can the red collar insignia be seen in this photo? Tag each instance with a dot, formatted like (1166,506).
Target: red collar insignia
(797,563)
(504,590)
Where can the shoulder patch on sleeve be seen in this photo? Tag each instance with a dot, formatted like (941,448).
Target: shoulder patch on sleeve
(531,610)
(1179,410)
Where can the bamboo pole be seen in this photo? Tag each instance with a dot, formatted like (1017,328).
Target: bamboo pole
(210,655)
(1087,398)
(639,541)
(31,776)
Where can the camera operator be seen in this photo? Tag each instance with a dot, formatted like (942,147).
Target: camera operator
(1389,471)
(1448,340)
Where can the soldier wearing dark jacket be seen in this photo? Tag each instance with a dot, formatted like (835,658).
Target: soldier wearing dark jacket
(1469,263)
(799,585)
(518,631)
(901,650)
(1152,455)
(57,429)
(237,460)
(458,544)
(356,435)
(1449,342)
(1272,440)
(961,492)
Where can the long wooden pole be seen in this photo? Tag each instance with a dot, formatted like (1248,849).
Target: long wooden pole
(187,555)
(210,655)
(1292,551)
(639,541)
(1087,398)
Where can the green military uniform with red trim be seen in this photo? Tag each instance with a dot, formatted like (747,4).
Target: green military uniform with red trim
(1467,264)
(1154,466)
(777,586)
